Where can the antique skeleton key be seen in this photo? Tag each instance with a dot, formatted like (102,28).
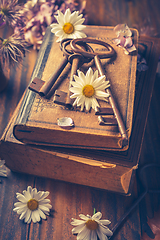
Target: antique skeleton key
(42,87)
(76,59)
(63,98)
(97,56)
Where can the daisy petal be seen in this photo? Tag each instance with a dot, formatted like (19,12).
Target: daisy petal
(68,19)
(19,204)
(78,229)
(101,235)
(42,215)
(88,104)
(80,27)
(43,208)
(33,205)
(97,216)
(37,216)
(101,94)
(105,222)
(94,103)
(74,95)
(105,230)
(44,195)
(44,201)
(80,21)
(76,222)
(21,198)
(67,15)
(84,234)
(28,216)
(22,216)
(93,235)
(82,216)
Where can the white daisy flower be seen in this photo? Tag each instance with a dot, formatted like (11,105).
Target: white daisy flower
(87,89)
(69,25)
(90,227)
(3,169)
(32,205)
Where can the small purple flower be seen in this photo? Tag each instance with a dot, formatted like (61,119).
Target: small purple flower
(124,38)
(141,63)
(37,15)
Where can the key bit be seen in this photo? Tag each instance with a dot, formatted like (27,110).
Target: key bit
(107,121)
(104,111)
(60,97)
(97,56)
(36,84)
(75,59)
(43,87)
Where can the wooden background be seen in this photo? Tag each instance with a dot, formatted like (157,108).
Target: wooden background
(69,200)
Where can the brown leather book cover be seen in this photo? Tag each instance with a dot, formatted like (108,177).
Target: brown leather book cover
(37,121)
(114,170)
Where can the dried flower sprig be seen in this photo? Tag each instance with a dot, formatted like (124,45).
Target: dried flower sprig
(12,50)
(37,15)
(9,12)
(124,38)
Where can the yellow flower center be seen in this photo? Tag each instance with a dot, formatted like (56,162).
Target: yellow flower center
(91,224)
(32,204)
(88,91)
(68,28)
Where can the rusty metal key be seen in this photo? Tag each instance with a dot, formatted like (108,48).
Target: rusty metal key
(76,59)
(43,87)
(63,98)
(97,56)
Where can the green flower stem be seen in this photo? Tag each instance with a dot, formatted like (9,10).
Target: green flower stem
(94,211)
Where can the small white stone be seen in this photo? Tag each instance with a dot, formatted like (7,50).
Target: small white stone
(65,122)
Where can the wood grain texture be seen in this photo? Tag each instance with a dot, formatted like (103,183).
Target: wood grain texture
(134,13)
(68,200)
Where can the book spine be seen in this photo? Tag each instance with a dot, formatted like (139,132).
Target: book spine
(64,167)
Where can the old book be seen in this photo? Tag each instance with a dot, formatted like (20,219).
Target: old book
(37,120)
(110,170)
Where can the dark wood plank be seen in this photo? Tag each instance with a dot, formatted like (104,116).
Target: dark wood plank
(134,13)
(69,200)
(10,226)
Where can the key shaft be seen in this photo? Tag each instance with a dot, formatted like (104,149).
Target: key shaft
(75,59)
(113,103)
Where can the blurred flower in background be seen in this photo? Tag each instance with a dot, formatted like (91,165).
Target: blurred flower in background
(12,48)
(3,169)
(9,12)
(37,15)
(24,25)
(124,38)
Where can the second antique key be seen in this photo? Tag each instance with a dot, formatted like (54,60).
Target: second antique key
(97,56)
(63,98)
(76,59)
(43,87)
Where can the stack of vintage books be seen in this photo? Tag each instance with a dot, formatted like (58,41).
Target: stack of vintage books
(89,153)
